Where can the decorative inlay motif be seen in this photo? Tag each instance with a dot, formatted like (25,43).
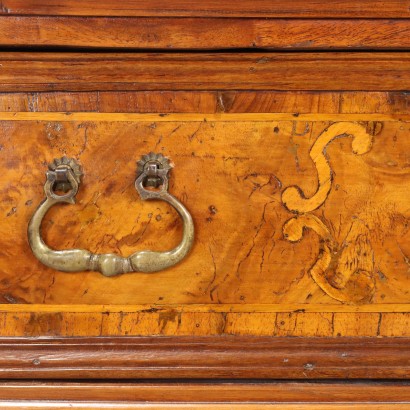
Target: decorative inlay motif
(343,271)
(293,197)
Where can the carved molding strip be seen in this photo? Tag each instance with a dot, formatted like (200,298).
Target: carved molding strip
(195,357)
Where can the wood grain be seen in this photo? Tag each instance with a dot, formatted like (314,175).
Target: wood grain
(197,71)
(301,102)
(204,33)
(198,118)
(305,239)
(60,405)
(207,308)
(206,357)
(352,392)
(163,321)
(237,8)
(286,319)
(249,261)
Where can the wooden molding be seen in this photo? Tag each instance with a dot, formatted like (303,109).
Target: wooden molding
(203,33)
(204,358)
(109,405)
(228,8)
(166,393)
(195,71)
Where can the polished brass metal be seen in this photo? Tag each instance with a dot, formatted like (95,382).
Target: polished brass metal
(64,174)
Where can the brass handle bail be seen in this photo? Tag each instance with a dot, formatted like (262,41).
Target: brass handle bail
(64,174)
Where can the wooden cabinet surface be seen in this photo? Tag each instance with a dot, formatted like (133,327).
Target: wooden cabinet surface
(288,128)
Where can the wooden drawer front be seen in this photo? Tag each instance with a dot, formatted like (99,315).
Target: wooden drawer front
(331,261)
(297,189)
(291,154)
(267,232)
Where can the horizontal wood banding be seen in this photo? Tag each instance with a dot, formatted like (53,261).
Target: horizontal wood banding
(109,405)
(168,322)
(208,308)
(278,392)
(204,33)
(206,357)
(234,8)
(307,102)
(272,71)
(192,117)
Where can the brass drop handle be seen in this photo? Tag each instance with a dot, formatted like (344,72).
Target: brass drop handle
(64,174)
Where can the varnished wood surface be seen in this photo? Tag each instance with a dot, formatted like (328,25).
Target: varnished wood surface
(255,260)
(200,117)
(353,289)
(205,358)
(237,8)
(204,33)
(286,319)
(198,71)
(300,102)
(215,308)
(163,321)
(60,405)
(284,393)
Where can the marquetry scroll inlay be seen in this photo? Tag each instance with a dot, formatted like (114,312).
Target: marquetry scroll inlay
(344,271)
(293,197)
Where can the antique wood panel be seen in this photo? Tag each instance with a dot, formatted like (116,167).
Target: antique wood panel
(224,121)
(321,71)
(294,166)
(237,174)
(203,33)
(237,8)
(198,314)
